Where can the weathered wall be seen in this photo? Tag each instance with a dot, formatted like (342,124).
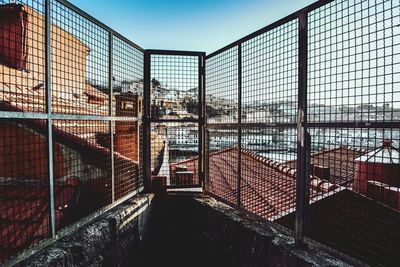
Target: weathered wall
(201,231)
(244,240)
(182,231)
(103,242)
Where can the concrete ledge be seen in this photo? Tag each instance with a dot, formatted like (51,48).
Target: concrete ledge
(105,241)
(248,241)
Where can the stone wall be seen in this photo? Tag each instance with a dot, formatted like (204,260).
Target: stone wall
(183,230)
(104,242)
(244,240)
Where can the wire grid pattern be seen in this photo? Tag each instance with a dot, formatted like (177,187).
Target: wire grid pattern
(357,45)
(21,53)
(269,76)
(222,87)
(268,185)
(354,76)
(84,163)
(127,72)
(139,181)
(83,154)
(79,63)
(174,86)
(24,205)
(222,163)
(127,102)
(364,204)
(352,110)
(126,166)
(175,153)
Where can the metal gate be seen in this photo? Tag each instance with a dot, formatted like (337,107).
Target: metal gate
(174,117)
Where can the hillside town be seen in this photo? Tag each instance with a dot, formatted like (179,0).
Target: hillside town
(278,143)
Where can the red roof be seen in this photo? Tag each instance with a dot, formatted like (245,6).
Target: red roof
(24,207)
(268,187)
(69,137)
(340,162)
(24,217)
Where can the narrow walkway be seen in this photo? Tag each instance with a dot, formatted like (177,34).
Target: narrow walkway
(175,239)
(164,171)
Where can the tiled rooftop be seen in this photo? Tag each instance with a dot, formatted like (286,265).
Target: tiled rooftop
(268,187)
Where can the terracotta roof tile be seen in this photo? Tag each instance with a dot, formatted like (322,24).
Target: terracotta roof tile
(340,162)
(69,137)
(268,187)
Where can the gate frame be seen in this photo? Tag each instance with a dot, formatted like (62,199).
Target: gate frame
(148,120)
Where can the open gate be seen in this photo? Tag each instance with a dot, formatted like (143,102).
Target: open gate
(174,117)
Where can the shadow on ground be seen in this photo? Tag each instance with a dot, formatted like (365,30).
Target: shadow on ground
(174,238)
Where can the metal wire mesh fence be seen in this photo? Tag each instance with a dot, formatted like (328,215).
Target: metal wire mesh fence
(310,137)
(175,153)
(175,86)
(303,123)
(175,113)
(71,104)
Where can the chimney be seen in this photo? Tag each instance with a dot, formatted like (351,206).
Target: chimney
(13,31)
(321,172)
(380,165)
(126,137)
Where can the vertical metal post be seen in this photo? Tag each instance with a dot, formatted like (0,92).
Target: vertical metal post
(110,107)
(206,159)
(201,146)
(303,144)
(49,117)
(239,167)
(146,121)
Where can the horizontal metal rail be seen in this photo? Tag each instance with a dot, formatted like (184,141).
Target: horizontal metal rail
(68,230)
(174,120)
(174,52)
(357,124)
(36,115)
(250,125)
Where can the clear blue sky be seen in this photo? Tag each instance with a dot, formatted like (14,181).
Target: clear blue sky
(202,25)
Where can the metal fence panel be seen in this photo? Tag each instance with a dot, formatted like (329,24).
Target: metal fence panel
(302,123)
(222,164)
(354,77)
(175,153)
(222,97)
(76,152)
(270,76)
(24,186)
(326,78)
(175,106)
(80,62)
